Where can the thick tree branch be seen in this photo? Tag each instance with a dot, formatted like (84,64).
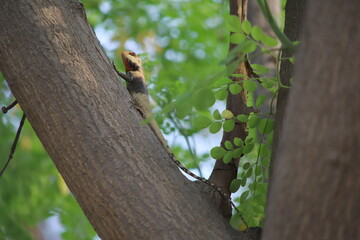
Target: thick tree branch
(223,174)
(315,192)
(119,173)
(295,11)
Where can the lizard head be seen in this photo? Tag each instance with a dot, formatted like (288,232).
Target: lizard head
(131,61)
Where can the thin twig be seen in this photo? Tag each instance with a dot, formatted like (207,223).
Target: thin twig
(13,147)
(6,109)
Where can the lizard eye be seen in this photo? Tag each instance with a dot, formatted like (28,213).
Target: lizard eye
(132,54)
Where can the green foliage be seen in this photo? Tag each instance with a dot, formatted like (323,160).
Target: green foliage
(217,152)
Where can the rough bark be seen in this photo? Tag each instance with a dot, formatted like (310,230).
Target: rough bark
(121,176)
(316,184)
(294,10)
(223,173)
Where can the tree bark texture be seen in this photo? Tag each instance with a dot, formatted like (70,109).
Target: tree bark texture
(295,11)
(316,185)
(223,173)
(119,173)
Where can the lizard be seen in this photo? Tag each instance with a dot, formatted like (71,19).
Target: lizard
(137,87)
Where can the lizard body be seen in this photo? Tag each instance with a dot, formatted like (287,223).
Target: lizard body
(136,85)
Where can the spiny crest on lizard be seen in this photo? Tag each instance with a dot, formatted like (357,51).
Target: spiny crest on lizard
(136,85)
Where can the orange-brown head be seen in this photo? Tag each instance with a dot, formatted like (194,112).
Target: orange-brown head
(131,61)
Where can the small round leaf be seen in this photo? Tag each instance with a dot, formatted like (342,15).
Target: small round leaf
(246,166)
(246,26)
(217,152)
(216,115)
(257,33)
(237,153)
(229,125)
(228,145)
(227,114)
(244,196)
(242,118)
(235,88)
(253,121)
(248,148)
(266,125)
(250,85)
(228,157)
(238,142)
(235,185)
(201,122)
(203,99)
(237,38)
(221,94)
(215,127)
(260,100)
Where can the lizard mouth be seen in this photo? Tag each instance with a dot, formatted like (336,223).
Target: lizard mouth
(132,65)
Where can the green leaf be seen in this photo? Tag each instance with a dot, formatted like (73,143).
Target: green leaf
(253,121)
(259,69)
(215,127)
(270,138)
(266,161)
(246,26)
(216,115)
(221,82)
(258,171)
(238,142)
(257,33)
(262,188)
(267,85)
(243,181)
(237,38)
(217,152)
(248,140)
(244,196)
(250,85)
(233,24)
(247,46)
(221,94)
(235,185)
(182,109)
(248,148)
(229,125)
(269,41)
(203,99)
(248,173)
(228,145)
(237,153)
(239,75)
(235,88)
(228,157)
(242,118)
(266,125)
(201,122)
(227,114)
(264,150)
(260,100)
(246,166)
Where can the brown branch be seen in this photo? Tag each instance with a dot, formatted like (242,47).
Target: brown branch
(13,147)
(223,174)
(295,11)
(6,109)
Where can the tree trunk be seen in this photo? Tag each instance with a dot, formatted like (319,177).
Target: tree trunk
(295,10)
(315,192)
(119,173)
